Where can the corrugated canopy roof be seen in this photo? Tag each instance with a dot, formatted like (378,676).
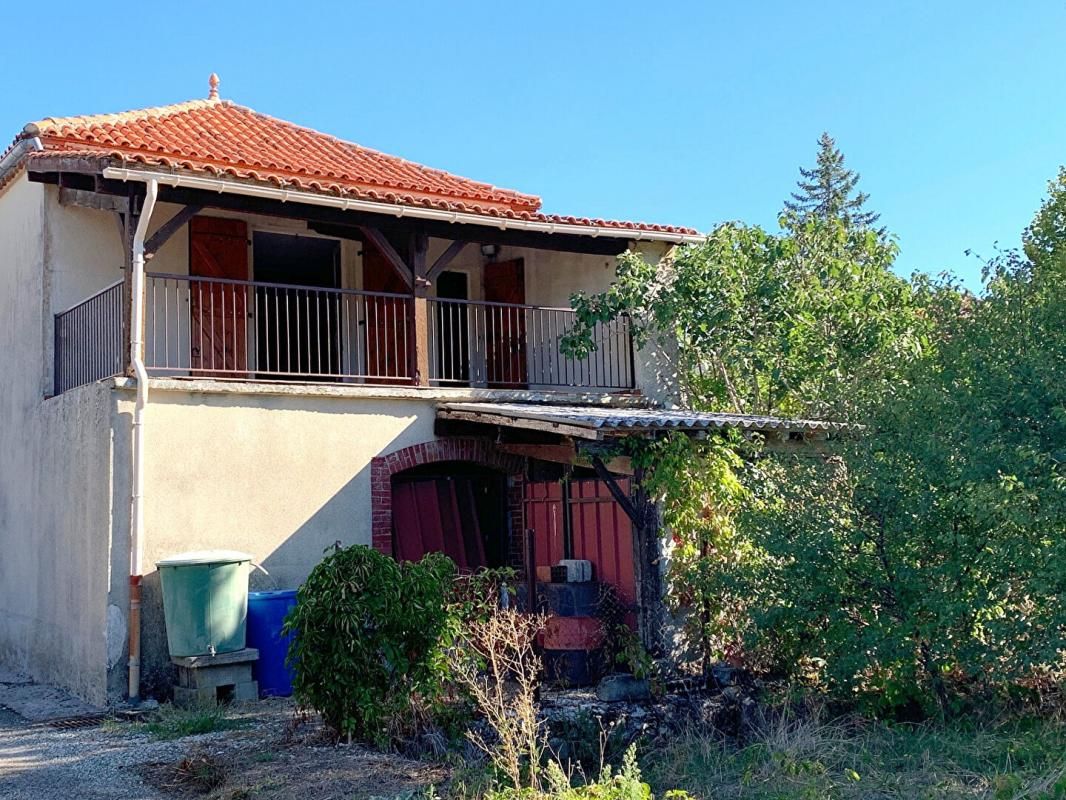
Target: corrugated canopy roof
(598,422)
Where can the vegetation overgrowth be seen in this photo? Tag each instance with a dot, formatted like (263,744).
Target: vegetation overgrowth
(909,573)
(914,565)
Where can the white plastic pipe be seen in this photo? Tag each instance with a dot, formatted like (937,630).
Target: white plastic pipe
(137,499)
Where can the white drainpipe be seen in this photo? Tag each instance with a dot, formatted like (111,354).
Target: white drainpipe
(137,509)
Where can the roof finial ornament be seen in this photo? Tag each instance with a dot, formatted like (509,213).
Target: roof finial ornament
(213,83)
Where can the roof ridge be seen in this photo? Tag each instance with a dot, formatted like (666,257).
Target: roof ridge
(50,125)
(537,201)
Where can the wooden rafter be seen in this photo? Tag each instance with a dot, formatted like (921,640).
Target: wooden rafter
(379,240)
(169,228)
(444,259)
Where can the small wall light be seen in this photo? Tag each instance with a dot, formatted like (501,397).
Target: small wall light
(490,251)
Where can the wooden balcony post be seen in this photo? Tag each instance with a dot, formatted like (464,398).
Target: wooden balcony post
(419,244)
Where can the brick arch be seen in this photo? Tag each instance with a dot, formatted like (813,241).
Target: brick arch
(471,450)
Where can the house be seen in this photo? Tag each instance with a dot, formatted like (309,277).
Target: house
(222,330)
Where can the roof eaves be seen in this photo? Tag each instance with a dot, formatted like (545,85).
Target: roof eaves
(194,179)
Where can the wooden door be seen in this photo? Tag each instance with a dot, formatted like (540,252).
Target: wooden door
(387,320)
(599,531)
(461,513)
(505,326)
(218,335)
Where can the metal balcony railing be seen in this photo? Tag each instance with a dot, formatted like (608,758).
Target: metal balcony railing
(217,327)
(228,328)
(88,340)
(504,345)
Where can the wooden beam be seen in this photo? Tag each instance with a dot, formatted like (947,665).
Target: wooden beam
(644,515)
(444,259)
(484,418)
(635,515)
(417,247)
(348,224)
(381,242)
(85,198)
(566,453)
(169,228)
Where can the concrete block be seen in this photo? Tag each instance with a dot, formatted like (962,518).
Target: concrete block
(185,697)
(247,654)
(619,688)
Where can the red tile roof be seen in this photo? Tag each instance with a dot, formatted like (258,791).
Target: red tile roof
(225,139)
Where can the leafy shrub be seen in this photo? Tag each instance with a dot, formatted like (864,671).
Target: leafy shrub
(370,636)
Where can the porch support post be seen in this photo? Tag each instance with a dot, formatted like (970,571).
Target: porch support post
(644,515)
(130,219)
(419,244)
(647,556)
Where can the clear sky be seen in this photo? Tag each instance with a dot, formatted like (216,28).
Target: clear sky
(685,113)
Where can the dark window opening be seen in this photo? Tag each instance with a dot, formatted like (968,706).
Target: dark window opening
(297,322)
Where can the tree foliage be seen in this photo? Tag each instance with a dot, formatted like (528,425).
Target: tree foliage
(911,564)
(828,191)
(924,559)
(928,560)
(800,323)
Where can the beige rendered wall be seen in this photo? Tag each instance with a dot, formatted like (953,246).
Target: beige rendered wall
(55,485)
(281,477)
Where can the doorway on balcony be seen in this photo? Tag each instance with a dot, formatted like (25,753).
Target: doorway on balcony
(453,328)
(298,310)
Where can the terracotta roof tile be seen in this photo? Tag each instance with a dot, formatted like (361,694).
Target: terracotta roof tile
(224,139)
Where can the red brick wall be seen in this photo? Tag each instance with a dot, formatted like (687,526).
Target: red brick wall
(477,451)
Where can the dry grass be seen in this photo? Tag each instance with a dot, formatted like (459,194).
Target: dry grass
(498,665)
(804,755)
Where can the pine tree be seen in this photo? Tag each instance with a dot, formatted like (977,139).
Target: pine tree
(828,190)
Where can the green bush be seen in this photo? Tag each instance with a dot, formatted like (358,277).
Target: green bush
(369,639)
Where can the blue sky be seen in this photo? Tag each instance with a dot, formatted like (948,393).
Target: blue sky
(687,113)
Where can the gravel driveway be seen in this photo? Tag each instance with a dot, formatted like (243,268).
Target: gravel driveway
(39,761)
(267,755)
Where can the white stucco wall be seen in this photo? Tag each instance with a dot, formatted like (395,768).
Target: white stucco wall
(281,477)
(55,488)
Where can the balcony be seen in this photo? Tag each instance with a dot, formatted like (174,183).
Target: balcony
(246,330)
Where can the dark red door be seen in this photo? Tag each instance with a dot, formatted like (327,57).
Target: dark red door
(218,248)
(600,532)
(386,319)
(505,325)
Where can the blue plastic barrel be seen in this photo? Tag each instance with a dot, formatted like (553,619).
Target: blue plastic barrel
(266,616)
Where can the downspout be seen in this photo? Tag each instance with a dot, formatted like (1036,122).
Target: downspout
(137,506)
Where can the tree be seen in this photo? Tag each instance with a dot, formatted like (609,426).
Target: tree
(803,323)
(926,562)
(810,322)
(828,190)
